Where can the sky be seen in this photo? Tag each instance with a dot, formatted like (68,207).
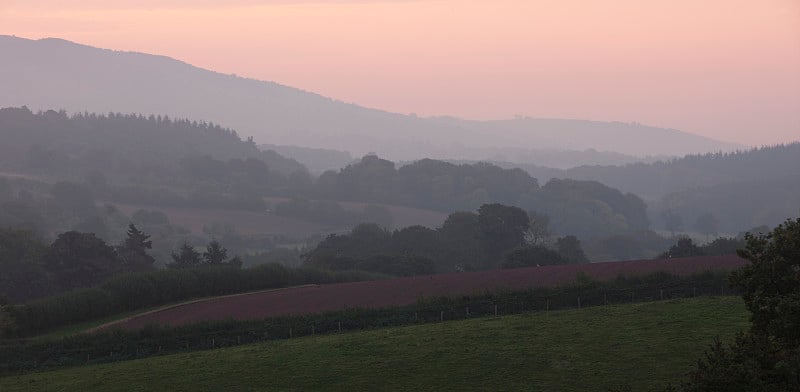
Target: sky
(726,69)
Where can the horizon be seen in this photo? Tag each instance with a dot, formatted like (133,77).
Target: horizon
(728,85)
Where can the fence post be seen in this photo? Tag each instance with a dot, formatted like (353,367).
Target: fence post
(340,326)
(290,332)
(416,316)
(495,310)
(441,316)
(238,340)
(213,343)
(694,292)
(87,357)
(547,305)
(662,294)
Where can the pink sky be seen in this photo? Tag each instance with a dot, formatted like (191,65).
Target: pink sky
(726,69)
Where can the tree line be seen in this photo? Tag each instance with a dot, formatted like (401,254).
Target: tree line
(495,236)
(32,269)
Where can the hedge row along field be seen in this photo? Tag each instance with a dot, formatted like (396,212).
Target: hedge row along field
(116,345)
(138,291)
(406,291)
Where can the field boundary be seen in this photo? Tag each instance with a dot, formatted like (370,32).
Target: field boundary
(194,301)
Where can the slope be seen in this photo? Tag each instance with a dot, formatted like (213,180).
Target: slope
(643,346)
(53,73)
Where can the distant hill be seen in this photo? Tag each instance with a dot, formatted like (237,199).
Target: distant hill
(53,73)
(56,142)
(742,189)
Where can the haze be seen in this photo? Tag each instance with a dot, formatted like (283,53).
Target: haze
(728,70)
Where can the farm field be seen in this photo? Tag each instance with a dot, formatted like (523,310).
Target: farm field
(406,291)
(644,346)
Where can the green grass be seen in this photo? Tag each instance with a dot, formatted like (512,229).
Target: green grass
(642,345)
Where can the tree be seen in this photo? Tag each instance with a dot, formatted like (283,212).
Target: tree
(215,253)
(186,257)
(707,224)
(771,282)
(22,276)
(685,247)
(133,251)
(503,228)
(767,357)
(462,245)
(569,248)
(81,260)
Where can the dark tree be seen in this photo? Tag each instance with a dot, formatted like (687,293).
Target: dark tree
(503,228)
(684,248)
(81,260)
(133,251)
(21,276)
(186,257)
(215,253)
(462,243)
(569,248)
(767,357)
(771,282)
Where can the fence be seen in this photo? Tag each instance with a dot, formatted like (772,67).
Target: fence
(29,355)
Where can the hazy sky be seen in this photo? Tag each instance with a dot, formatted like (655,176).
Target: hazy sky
(726,69)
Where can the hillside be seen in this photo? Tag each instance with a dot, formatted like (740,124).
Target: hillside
(742,189)
(642,346)
(53,73)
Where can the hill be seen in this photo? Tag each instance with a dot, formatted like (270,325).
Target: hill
(53,73)
(643,346)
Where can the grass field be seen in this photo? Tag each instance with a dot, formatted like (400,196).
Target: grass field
(642,345)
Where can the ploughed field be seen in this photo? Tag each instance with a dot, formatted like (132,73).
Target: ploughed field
(406,291)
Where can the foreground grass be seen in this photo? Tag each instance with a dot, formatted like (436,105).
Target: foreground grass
(642,345)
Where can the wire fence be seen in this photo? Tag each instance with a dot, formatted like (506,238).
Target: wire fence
(23,356)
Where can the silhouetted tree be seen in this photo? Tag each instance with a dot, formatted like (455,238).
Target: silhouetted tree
(503,228)
(569,248)
(685,247)
(187,257)
(80,260)
(133,251)
(215,253)
(767,357)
